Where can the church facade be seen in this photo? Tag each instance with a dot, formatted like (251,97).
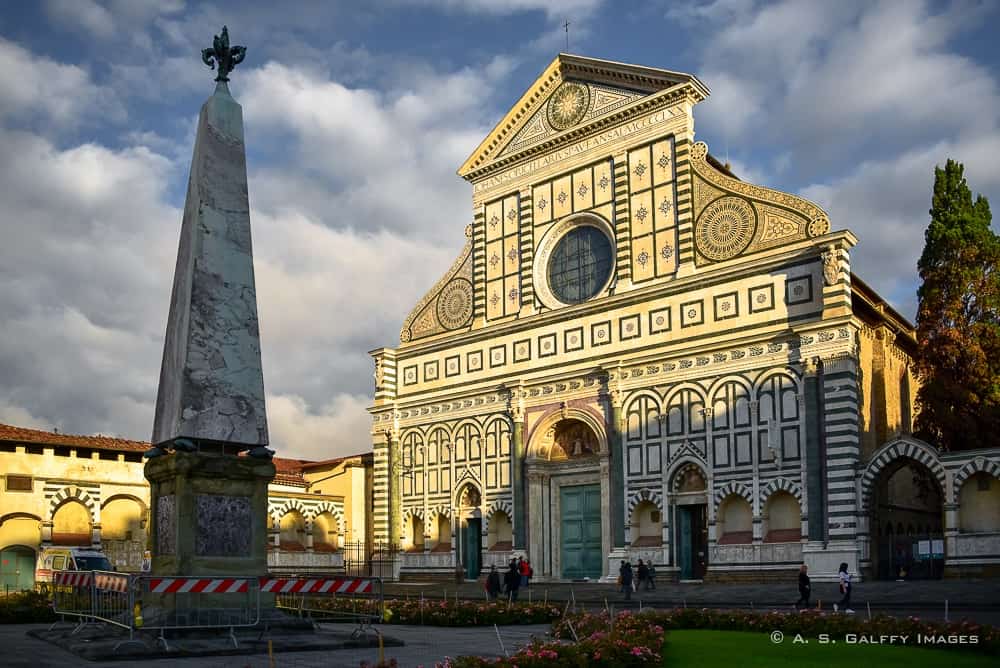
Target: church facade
(639,355)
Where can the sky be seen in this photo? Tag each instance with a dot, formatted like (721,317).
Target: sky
(357,116)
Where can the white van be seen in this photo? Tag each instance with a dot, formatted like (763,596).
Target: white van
(69,559)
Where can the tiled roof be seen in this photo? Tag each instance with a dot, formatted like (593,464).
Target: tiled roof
(289,471)
(333,462)
(22,435)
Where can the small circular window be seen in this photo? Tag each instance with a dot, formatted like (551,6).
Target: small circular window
(580,265)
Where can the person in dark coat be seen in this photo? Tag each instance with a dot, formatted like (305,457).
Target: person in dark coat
(650,576)
(493,583)
(805,587)
(627,580)
(513,580)
(643,574)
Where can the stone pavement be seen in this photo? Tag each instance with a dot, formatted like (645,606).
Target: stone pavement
(423,647)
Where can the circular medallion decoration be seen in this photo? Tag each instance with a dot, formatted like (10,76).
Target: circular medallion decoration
(454,306)
(581,264)
(567,105)
(818,226)
(725,228)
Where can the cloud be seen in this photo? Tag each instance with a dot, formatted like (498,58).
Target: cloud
(39,91)
(552,8)
(339,428)
(109,20)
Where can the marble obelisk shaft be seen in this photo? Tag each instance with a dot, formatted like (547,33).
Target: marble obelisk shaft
(211,385)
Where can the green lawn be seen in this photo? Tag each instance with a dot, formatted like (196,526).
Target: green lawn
(737,648)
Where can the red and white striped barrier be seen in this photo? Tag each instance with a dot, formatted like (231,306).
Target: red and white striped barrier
(316,585)
(198,585)
(111,582)
(73,578)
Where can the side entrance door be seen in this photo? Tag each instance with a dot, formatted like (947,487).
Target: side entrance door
(580,507)
(691,545)
(17,568)
(470,546)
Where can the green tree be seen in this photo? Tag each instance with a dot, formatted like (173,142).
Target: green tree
(958,319)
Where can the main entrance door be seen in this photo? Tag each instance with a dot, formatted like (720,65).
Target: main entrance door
(471,530)
(691,547)
(580,507)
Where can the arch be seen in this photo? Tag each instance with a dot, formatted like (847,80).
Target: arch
(499,529)
(322,523)
(733,488)
(638,394)
(721,382)
(72,523)
(18,516)
(651,495)
(540,433)
(281,507)
(130,497)
(781,519)
(903,447)
(123,517)
(977,465)
(467,485)
(780,485)
(497,505)
(291,534)
(680,387)
(734,518)
(679,465)
(646,529)
(74,493)
(790,374)
(332,508)
(683,419)
(979,504)
(413,530)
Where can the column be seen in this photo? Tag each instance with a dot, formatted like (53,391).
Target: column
(517,477)
(95,535)
(617,470)
(395,493)
(309,536)
(815,460)
(46,533)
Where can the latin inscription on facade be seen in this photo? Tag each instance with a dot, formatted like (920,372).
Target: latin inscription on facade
(225,526)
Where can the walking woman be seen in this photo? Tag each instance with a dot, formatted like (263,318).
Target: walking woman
(845,589)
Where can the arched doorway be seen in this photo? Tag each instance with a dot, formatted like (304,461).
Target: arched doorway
(470,530)
(568,487)
(906,516)
(689,507)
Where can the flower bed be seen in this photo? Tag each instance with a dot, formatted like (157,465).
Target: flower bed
(637,640)
(438,612)
(808,625)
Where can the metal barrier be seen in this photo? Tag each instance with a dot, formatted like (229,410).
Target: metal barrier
(176,603)
(72,596)
(347,599)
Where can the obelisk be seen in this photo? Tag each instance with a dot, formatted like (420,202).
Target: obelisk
(209,504)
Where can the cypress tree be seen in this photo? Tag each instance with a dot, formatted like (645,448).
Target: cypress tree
(958,319)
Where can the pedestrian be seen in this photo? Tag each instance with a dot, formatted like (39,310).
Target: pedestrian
(642,572)
(524,570)
(493,583)
(621,575)
(805,588)
(627,580)
(845,589)
(513,581)
(650,576)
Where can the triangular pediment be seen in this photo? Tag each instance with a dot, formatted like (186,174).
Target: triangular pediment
(593,89)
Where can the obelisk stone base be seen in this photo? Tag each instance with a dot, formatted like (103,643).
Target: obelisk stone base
(208,514)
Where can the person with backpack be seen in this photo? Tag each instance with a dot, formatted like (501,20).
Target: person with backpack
(845,589)
(642,571)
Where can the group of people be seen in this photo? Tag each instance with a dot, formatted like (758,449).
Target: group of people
(630,580)
(516,577)
(805,589)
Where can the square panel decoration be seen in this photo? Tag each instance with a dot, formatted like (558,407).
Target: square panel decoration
(452,366)
(474,361)
(761,298)
(629,327)
(522,350)
(546,345)
(799,290)
(573,339)
(692,313)
(726,306)
(600,333)
(410,375)
(659,320)
(498,356)
(431,370)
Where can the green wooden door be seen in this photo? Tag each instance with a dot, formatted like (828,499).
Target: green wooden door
(470,547)
(685,543)
(580,507)
(17,568)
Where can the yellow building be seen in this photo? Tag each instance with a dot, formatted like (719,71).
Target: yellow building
(639,355)
(61,489)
